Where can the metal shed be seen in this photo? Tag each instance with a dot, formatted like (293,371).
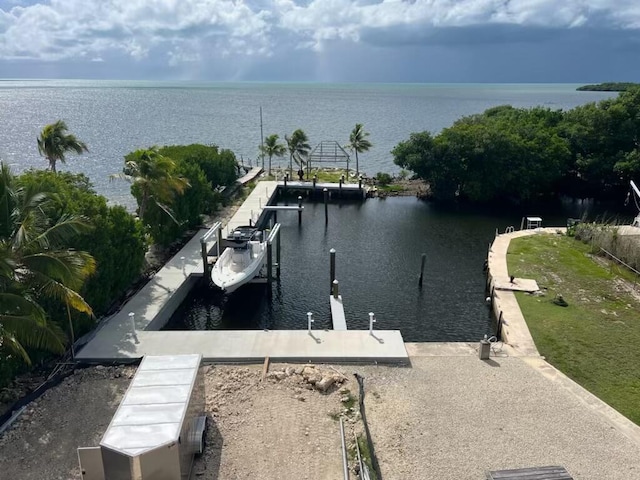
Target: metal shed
(158,427)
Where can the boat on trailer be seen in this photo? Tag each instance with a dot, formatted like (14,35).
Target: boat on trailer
(241,261)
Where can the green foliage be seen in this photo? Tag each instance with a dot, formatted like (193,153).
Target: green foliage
(54,142)
(520,155)
(272,148)
(38,267)
(383,179)
(358,143)
(608,87)
(219,166)
(596,339)
(299,148)
(116,240)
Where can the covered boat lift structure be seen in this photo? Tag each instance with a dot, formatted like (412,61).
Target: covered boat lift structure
(158,427)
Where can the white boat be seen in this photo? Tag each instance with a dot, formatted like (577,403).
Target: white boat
(241,261)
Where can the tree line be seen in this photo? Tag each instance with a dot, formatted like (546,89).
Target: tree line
(298,148)
(517,155)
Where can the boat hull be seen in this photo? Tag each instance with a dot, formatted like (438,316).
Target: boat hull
(238,266)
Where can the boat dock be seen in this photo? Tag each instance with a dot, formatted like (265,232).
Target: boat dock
(134,331)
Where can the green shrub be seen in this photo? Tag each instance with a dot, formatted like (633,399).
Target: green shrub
(383,179)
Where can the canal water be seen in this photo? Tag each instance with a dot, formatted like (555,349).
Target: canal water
(379,243)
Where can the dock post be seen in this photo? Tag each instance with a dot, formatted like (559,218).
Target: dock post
(340,186)
(422,261)
(335,290)
(315,180)
(332,268)
(360,182)
(299,210)
(132,317)
(269,265)
(286,179)
(372,320)
(310,320)
(326,205)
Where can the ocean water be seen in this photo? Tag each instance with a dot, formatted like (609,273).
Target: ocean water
(116,117)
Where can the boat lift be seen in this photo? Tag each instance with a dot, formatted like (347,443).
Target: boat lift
(159,426)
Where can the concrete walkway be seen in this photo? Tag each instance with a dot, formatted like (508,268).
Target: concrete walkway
(514,330)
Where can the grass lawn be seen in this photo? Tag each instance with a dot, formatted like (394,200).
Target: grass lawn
(596,339)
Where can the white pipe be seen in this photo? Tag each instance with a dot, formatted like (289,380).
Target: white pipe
(372,320)
(310,320)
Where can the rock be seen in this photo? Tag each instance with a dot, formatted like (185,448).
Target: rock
(298,370)
(344,390)
(325,383)
(345,398)
(278,375)
(289,371)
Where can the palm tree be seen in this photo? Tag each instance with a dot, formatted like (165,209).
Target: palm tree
(272,148)
(54,143)
(298,147)
(153,175)
(358,143)
(35,264)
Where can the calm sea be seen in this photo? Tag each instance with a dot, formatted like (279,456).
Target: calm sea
(116,117)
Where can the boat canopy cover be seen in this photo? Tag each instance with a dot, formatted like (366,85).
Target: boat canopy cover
(153,408)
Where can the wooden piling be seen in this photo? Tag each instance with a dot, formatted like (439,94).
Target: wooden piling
(335,289)
(326,205)
(422,262)
(299,210)
(340,186)
(332,268)
(360,182)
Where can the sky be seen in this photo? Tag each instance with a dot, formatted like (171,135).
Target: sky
(425,41)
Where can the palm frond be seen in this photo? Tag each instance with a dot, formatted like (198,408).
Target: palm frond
(70,267)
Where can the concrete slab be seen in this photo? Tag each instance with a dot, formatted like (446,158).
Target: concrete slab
(518,285)
(385,346)
(337,313)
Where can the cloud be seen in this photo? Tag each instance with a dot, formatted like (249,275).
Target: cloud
(238,35)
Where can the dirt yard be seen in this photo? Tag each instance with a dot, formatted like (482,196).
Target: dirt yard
(282,427)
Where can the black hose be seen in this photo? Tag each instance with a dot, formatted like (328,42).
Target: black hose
(374,459)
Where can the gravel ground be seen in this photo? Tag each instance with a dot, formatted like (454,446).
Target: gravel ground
(282,427)
(458,417)
(446,417)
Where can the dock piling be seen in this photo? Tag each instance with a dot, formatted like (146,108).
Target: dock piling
(335,290)
(422,262)
(360,182)
(286,179)
(332,268)
(326,205)
(132,317)
(372,320)
(340,186)
(315,180)
(299,210)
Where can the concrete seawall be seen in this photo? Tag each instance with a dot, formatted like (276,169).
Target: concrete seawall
(514,329)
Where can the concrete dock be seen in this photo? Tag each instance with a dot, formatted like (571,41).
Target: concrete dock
(122,337)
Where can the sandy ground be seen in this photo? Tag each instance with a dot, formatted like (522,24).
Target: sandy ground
(282,427)
(447,417)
